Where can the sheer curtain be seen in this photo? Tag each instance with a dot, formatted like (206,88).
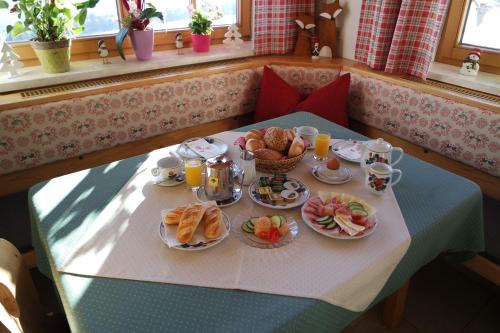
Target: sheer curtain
(274,27)
(400,36)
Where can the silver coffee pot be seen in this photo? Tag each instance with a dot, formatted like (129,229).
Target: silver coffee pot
(221,176)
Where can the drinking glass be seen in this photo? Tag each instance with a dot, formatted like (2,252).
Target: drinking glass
(322,146)
(193,173)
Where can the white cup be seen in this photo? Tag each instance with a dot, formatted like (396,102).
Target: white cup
(167,168)
(308,133)
(379,177)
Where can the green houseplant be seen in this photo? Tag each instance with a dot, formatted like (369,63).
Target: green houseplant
(201,27)
(136,24)
(52,24)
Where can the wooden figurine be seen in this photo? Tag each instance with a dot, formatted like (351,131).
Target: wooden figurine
(327,25)
(303,44)
(179,43)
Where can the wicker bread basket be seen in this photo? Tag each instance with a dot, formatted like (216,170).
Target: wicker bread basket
(278,166)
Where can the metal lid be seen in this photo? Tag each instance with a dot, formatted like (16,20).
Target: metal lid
(219,162)
(379,146)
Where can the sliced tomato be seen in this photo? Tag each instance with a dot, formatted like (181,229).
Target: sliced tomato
(274,234)
(359,220)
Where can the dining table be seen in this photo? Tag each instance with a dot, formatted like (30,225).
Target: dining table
(442,212)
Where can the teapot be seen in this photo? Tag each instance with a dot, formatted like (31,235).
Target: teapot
(378,151)
(221,176)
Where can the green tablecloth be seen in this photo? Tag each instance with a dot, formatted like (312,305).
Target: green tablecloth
(443,212)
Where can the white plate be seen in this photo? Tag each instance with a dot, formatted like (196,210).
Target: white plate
(303,196)
(160,181)
(254,241)
(194,246)
(334,181)
(330,233)
(237,194)
(346,144)
(184,151)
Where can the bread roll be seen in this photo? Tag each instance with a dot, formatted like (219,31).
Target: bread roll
(253,134)
(297,147)
(276,139)
(268,154)
(290,134)
(189,221)
(212,222)
(254,144)
(174,216)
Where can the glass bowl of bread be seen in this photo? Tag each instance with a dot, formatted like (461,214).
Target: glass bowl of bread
(276,150)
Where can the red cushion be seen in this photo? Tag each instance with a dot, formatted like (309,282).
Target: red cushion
(330,101)
(276,98)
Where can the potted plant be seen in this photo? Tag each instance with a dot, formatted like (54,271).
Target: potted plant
(201,27)
(136,24)
(52,23)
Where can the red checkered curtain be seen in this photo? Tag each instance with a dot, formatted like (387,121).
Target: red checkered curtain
(274,24)
(399,36)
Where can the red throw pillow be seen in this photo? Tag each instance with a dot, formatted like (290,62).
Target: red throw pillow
(330,101)
(277,98)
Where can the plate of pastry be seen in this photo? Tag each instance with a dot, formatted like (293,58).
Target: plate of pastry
(268,232)
(339,216)
(194,227)
(278,192)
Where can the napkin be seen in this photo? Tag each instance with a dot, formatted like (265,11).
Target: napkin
(204,149)
(352,152)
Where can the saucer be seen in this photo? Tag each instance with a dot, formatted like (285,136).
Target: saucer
(344,176)
(237,194)
(161,181)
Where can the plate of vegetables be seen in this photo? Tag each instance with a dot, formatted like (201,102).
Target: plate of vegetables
(268,231)
(339,216)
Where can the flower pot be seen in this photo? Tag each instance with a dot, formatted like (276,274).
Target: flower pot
(54,56)
(200,43)
(142,42)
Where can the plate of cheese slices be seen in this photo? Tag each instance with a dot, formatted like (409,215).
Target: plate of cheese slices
(193,227)
(339,215)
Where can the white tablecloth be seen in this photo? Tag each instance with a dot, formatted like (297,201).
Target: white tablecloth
(123,242)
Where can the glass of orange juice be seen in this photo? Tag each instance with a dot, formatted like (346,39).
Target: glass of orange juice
(322,146)
(193,173)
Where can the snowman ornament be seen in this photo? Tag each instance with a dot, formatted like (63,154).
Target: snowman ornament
(470,66)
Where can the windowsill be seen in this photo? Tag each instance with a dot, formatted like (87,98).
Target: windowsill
(484,82)
(34,77)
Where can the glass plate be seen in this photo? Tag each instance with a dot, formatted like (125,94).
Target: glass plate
(303,196)
(346,144)
(198,246)
(184,151)
(254,241)
(329,233)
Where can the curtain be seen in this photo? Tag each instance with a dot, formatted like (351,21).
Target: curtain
(274,27)
(400,36)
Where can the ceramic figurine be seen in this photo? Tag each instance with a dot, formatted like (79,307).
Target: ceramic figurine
(315,51)
(179,43)
(9,60)
(329,11)
(470,66)
(233,37)
(303,45)
(326,52)
(103,51)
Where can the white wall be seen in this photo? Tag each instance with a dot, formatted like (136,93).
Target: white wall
(348,24)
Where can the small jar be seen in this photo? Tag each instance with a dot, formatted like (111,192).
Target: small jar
(247,162)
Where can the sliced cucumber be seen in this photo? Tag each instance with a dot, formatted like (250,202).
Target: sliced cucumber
(283,220)
(359,211)
(319,219)
(355,204)
(253,220)
(328,221)
(246,228)
(276,220)
(331,225)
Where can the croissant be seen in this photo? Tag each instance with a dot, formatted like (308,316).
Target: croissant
(189,221)
(212,222)
(174,216)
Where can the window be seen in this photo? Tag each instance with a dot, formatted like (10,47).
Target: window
(471,24)
(103,22)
